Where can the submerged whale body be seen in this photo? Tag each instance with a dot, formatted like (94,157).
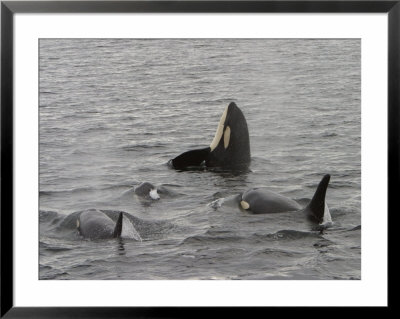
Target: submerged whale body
(230,148)
(262,201)
(95,224)
(147,190)
(103,224)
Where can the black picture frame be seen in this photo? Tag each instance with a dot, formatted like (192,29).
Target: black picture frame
(9,8)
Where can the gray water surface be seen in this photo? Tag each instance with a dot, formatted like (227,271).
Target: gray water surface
(114,111)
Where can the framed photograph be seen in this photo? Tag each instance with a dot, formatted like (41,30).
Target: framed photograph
(164,155)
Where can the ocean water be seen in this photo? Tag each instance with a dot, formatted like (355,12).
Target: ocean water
(113,112)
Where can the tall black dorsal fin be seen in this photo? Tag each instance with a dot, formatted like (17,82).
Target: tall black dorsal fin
(316,207)
(118,226)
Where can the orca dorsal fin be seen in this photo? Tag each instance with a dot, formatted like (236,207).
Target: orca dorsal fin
(316,207)
(118,226)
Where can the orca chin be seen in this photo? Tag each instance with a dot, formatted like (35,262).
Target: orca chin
(261,201)
(229,150)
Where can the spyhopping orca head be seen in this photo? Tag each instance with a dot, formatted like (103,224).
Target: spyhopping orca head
(230,148)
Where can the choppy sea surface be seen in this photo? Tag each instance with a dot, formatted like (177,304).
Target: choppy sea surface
(114,111)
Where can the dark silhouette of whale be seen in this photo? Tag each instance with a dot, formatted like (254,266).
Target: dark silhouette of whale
(262,201)
(230,148)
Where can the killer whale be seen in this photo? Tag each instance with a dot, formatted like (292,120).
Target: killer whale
(262,201)
(230,148)
(78,225)
(94,224)
(147,190)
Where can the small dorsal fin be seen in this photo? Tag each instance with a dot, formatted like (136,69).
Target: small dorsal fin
(316,207)
(118,226)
